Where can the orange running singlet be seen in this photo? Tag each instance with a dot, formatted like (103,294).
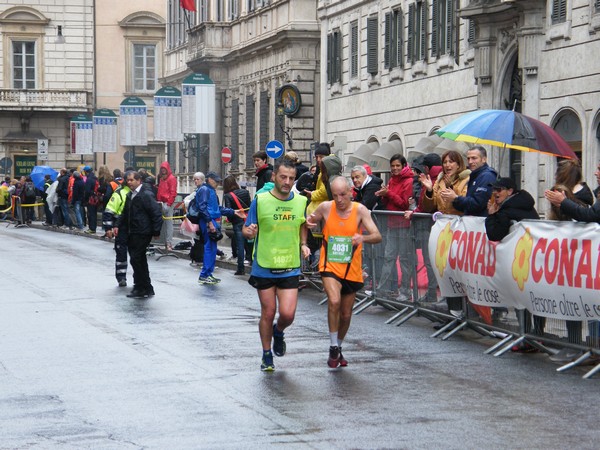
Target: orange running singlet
(337,246)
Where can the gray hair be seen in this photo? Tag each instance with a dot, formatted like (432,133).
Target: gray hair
(200,175)
(360,169)
(341,179)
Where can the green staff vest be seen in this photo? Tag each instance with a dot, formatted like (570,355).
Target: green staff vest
(279,231)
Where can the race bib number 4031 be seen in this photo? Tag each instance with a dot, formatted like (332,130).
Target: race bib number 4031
(339,249)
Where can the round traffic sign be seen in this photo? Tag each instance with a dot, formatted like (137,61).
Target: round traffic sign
(226,155)
(274,149)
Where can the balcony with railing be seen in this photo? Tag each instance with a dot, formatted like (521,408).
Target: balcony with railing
(44,100)
(209,40)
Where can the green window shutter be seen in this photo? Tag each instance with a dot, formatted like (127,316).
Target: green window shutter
(399,37)
(330,58)
(471,38)
(387,41)
(354,49)
(338,56)
(410,51)
(372,48)
(423,31)
(435,17)
(559,11)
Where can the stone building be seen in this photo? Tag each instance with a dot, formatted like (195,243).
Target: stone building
(249,49)
(46,76)
(59,59)
(394,71)
(129,62)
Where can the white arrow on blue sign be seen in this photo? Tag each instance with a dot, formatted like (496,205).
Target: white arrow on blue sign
(274,149)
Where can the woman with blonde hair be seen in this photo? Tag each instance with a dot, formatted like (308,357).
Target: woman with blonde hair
(454,176)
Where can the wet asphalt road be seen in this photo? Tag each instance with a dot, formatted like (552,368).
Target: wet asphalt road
(82,366)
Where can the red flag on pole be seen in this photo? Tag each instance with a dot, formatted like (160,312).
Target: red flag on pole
(190,5)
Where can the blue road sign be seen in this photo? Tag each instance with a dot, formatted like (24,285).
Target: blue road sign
(274,149)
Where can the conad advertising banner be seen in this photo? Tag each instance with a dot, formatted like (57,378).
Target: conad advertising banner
(550,268)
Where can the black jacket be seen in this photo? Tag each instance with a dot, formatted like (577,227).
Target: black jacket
(300,169)
(244,198)
(142,214)
(90,184)
(518,207)
(263,175)
(78,190)
(366,194)
(63,186)
(581,213)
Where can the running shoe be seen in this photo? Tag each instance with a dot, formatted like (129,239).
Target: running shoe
(206,280)
(267,364)
(343,362)
(334,357)
(524,347)
(278,342)
(214,279)
(122,283)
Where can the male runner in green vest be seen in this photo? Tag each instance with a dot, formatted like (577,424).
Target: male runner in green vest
(276,221)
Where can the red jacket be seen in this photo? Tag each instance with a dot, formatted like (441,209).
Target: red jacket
(167,187)
(399,191)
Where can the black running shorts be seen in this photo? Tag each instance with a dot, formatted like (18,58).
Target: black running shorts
(280,283)
(348,287)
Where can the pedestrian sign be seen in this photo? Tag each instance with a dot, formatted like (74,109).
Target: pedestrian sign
(274,149)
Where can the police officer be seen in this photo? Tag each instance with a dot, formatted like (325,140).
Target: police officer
(112,212)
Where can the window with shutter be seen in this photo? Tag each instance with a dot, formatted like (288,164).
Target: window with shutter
(264,109)
(399,37)
(410,51)
(449,27)
(435,29)
(337,38)
(387,41)
(330,58)
(393,39)
(354,49)
(423,31)
(250,130)
(372,47)
(235,131)
(559,11)
(471,38)
(597,6)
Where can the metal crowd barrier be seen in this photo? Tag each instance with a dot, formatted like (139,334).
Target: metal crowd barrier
(400,278)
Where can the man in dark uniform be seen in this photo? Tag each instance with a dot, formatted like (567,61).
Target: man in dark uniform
(142,219)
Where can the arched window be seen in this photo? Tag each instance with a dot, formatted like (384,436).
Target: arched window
(568,127)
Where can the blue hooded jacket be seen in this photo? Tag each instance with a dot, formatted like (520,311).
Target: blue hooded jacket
(208,204)
(479,192)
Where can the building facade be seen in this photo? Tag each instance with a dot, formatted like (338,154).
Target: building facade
(64,58)
(250,49)
(130,46)
(46,76)
(395,71)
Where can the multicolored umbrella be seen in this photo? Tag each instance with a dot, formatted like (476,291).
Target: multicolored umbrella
(507,129)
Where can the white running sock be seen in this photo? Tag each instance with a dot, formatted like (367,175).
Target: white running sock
(333,339)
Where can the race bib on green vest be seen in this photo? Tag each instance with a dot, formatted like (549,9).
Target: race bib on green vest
(339,249)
